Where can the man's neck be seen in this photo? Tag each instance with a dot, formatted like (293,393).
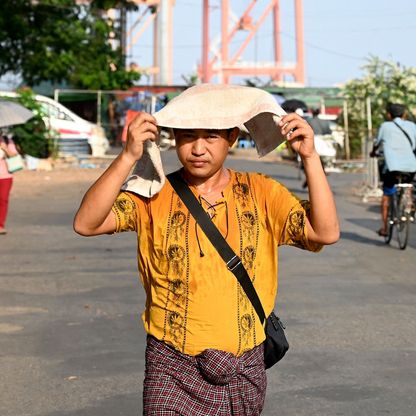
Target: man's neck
(209,187)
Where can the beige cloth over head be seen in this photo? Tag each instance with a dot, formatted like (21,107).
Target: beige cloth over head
(210,106)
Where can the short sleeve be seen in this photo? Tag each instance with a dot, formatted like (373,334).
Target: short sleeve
(295,228)
(380,135)
(125,211)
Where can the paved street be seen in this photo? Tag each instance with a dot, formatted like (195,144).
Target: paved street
(72,343)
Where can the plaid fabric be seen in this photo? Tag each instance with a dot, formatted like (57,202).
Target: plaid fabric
(214,383)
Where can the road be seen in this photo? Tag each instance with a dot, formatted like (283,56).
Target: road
(72,343)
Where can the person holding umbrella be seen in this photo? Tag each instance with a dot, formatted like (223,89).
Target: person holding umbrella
(10,114)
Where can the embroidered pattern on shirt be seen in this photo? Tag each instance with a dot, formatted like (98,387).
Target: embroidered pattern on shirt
(295,227)
(125,209)
(176,327)
(248,224)
(177,254)
(176,259)
(249,254)
(177,223)
(241,191)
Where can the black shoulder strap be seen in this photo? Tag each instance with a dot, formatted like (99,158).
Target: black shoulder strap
(232,261)
(405,133)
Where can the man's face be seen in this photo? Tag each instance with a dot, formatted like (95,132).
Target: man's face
(202,152)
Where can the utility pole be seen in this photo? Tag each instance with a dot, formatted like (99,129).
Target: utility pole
(123,34)
(164,40)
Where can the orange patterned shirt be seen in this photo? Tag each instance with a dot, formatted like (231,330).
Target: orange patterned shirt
(193,301)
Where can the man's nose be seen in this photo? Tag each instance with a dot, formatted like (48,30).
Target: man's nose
(198,147)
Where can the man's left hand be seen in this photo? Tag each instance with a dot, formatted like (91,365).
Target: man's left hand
(299,134)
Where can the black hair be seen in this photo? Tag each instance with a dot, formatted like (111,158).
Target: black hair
(396,110)
(229,130)
(316,112)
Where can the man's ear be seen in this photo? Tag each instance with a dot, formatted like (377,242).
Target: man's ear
(233,135)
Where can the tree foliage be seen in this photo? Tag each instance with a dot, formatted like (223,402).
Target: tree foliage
(33,138)
(382,82)
(63,41)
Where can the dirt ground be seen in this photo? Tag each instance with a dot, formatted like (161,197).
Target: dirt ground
(35,183)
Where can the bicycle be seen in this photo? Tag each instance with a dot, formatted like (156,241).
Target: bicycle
(401,214)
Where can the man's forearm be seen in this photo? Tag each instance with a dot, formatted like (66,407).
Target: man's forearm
(323,219)
(94,215)
(98,201)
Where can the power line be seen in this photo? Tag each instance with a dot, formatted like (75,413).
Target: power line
(311,45)
(360,14)
(329,51)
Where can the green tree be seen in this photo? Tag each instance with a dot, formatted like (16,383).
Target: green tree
(33,138)
(382,82)
(62,41)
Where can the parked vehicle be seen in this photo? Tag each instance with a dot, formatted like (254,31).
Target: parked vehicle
(75,135)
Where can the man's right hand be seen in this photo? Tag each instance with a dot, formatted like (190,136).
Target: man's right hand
(142,128)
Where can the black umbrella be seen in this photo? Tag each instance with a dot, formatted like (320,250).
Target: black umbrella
(293,104)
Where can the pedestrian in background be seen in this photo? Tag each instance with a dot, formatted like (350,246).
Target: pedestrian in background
(319,126)
(7,149)
(396,139)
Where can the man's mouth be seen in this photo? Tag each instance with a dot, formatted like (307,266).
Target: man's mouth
(198,163)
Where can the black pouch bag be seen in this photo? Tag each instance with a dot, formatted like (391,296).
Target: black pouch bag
(276,344)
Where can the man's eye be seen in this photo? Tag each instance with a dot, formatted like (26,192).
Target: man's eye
(213,136)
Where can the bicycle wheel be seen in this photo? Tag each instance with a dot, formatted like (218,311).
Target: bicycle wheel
(390,220)
(402,225)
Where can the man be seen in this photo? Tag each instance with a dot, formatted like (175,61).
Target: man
(7,149)
(325,150)
(204,351)
(397,139)
(319,126)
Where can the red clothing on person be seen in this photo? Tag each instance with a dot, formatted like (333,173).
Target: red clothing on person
(5,187)
(6,180)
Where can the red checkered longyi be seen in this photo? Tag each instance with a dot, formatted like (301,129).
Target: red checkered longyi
(212,383)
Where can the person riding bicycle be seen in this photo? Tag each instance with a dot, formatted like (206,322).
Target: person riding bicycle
(397,139)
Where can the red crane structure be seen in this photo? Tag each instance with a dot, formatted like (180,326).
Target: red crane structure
(222,63)
(225,65)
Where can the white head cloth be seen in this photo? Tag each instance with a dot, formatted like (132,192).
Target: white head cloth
(210,106)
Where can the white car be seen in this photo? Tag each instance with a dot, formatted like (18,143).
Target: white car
(75,134)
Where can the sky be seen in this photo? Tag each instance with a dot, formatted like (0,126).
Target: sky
(339,36)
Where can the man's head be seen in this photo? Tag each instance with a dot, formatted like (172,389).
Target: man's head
(395,110)
(315,112)
(202,152)
(217,106)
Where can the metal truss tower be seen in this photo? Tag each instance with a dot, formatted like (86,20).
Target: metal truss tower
(225,65)
(220,63)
